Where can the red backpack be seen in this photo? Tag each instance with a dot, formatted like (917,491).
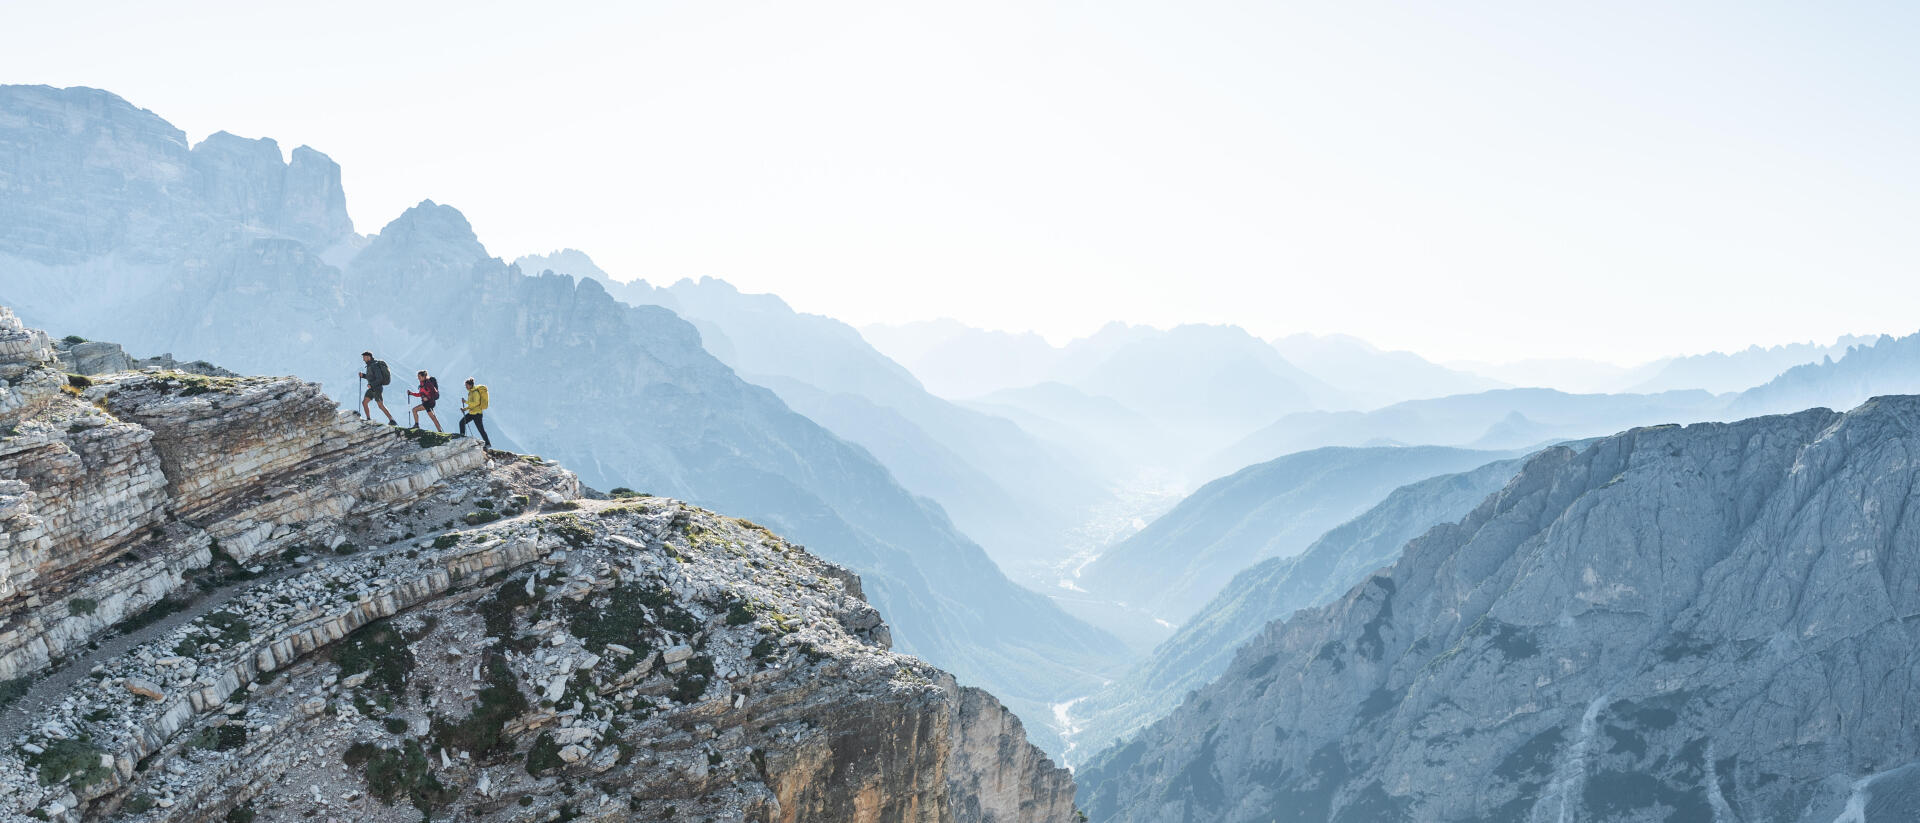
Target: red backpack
(430,390)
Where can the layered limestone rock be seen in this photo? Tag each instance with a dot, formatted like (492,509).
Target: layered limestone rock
(89,357)
(117,488)
(1705,623)
(623,660)
(280,619)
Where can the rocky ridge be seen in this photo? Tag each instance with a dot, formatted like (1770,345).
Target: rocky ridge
(357,656)
(1704,623)
(117,489)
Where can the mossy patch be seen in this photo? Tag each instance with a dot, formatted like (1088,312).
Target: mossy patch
(380,649)
(544,756)
(481,733)
(568,528)
(625,615)
(400,772)
(423,438)
(190,384)
(692,682)
(73,762)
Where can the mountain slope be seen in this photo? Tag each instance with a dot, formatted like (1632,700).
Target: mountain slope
(1700,623)
(625,395)
(1273,589)
(1013,493)
(1275,509)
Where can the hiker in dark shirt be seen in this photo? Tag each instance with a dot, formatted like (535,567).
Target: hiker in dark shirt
(429,395)
(377,377)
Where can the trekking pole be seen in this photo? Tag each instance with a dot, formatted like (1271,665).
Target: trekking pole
(361,377)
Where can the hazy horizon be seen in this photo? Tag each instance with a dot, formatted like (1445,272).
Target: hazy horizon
(1617,185)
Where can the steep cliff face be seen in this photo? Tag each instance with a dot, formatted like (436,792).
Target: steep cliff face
(1700,623)
(278,616)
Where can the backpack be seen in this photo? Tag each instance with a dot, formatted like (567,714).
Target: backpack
(430,390)
(377,374)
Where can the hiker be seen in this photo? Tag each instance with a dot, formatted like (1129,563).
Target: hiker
(377,377)
(429,395)
(474,406)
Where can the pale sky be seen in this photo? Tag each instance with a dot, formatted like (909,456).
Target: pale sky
(1467,180)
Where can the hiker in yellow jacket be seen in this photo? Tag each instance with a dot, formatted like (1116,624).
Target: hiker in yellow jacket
(474,405)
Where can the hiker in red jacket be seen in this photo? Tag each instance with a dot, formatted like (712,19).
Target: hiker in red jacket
(429,394)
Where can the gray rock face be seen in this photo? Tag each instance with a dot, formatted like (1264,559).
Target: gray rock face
(123,181)
(1700,623)
(1274,589)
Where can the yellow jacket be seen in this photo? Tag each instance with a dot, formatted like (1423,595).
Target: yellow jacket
(476,399)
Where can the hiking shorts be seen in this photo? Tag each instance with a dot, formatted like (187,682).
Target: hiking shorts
(373,393)
(427,405)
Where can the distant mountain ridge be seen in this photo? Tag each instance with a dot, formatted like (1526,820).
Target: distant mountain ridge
(1271,510)
(216,263)
(1013,492)
(1368,377)
(1498,419)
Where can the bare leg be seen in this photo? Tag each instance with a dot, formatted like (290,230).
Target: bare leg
(434,418)
(383,410)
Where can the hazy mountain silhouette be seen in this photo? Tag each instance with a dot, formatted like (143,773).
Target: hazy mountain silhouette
(1273,589)
(220,251)
(1369,377)
(1275,509)
(1499,419)
(1014,493)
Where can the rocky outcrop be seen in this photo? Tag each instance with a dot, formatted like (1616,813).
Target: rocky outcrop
(117,488)
(87,357)
(354,653)
(621,661)
(1701,623)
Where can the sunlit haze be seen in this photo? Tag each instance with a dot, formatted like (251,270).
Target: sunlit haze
(1617,181)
